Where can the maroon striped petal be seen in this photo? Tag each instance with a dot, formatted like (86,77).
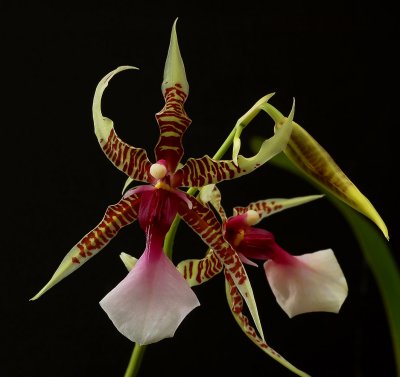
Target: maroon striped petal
(198,172)
(132,161)
(172,119)
(268,207)
(203,221)
(235,302)
(198,271)
(116,217)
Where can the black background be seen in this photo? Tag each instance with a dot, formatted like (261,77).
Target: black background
(336,60)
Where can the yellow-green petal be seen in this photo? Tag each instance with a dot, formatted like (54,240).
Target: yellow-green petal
(311,158)
(270,147)
(211,194)
(242,123)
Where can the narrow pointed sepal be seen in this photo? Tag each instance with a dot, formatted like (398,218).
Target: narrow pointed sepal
(203,221)
(132,161)
(307,283)
(174,70)
(198,172)
(198,271)
(235,303)
(268,207)
(116,217)
(172,119)
(312,159)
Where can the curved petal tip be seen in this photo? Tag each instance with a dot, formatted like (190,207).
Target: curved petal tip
(174,71)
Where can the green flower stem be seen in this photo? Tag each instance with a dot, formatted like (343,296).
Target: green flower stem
(138,351)
(136,360)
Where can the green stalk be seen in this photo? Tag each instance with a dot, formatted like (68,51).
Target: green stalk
(136,361)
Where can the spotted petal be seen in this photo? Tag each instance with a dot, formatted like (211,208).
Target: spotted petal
(198,172)
(311,282)
(311,158)
(172,119)
(132,161)
(198,271)
(203,221)
(152,300)
(235,303)
(116,217)
(268,207)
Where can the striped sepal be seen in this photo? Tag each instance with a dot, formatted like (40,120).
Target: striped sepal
(268,207)
(132,161)
(203,221)
(198,271)
(198,172)
(173,122)
(235,302)
(116,217)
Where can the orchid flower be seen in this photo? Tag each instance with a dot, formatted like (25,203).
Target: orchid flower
(152,300)
(301,284)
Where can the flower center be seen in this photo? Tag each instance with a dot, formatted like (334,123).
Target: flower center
(163,185)
(158,170)
(238,238)
(252,217)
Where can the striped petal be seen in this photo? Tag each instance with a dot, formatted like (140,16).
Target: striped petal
(116,217)
(268,207)
(198,271)
(203,221)
(172,119)
(235,303)
(198,172)
(311,158)
(132,161)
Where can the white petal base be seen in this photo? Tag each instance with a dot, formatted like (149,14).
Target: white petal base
(312,283)
(151,302)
